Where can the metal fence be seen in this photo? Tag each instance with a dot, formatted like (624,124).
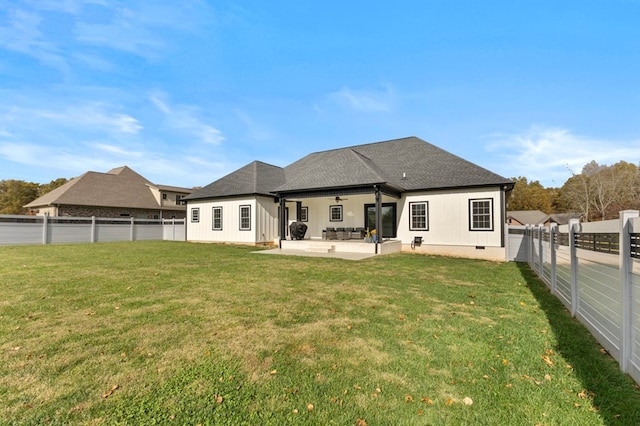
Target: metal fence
(63,229)
(594,269)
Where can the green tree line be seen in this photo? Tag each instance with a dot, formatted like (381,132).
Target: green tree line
(598,192)
(14,194)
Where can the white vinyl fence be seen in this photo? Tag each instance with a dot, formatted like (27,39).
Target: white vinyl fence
(594,269)
(63,229)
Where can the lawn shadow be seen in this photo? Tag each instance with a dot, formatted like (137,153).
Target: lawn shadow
(614,393)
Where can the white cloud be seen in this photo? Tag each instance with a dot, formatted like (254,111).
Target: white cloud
(364,100)
(185,118)
(551,154)
(93,116)
(22,34)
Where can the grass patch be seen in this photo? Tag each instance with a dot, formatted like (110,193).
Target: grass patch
(169,332)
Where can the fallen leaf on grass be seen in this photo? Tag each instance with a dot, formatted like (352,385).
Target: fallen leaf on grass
(449,402)
(361,422)
(273,372)
(426,400)
(467,401)
(408,398)
(110,392)
(310,407)
(547,360)
(218,398)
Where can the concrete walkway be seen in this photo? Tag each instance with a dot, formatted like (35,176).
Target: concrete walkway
(334,255)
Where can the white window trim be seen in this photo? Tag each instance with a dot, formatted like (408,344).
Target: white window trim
(339,209)
(426,213)
(304,214)
(213,218)
(471,214)
(195,214)
(248,207)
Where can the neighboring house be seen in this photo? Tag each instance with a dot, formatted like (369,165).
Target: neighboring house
(406,187)
(536,217)
(527,217)
(120,192)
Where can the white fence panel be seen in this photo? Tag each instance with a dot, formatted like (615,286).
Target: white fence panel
(594,269)
(151,230)
(634,358)
(23,232)
(563,275)
(516,243)
(174,231)
(107,232)
(536,250)
(545,258)
(600,297)
(69,232)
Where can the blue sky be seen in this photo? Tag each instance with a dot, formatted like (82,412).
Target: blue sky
(185,92)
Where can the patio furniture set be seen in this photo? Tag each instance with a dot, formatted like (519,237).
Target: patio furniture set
(343,234)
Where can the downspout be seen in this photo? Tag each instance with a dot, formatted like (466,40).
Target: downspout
(503,214)
(378,215)
(283,229)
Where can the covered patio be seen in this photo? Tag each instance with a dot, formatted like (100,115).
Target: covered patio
(364,228)
(342,246)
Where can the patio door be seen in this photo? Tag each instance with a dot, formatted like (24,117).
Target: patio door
(389,228)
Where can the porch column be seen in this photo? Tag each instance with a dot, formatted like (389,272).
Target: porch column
(281,222)
(378,216)
(298,210)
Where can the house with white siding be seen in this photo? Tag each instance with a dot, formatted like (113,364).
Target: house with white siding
(415,196)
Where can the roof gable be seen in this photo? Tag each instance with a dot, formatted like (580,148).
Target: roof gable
(408,163)
(528,217)
(254,178)
(120,187)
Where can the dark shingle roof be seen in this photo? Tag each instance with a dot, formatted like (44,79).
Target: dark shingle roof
(120,187)
(408,163)
(254,178)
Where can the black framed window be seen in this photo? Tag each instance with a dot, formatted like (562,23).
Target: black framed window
(195,214)
(419,216)
(217,219)
(245,218)
(304,214)
(481,214)
(335,213)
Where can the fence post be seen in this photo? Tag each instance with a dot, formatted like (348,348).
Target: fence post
(529,234)
(540,253)
(45,229)
(132,232)
(93,229)
(573,229)
(627,286)
(553,229)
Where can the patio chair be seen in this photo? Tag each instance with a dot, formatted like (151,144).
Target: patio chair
(330,234)
(358,233)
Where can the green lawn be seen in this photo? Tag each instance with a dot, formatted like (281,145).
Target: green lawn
(179,333)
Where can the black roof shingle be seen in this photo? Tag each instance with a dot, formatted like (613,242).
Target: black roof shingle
(408,164)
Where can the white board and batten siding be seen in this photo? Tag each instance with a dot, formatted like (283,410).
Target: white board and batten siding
(449,223)
(263,227)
